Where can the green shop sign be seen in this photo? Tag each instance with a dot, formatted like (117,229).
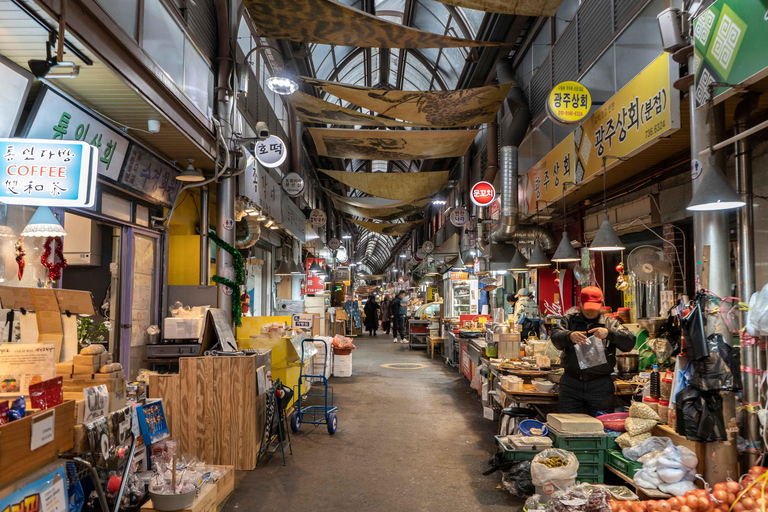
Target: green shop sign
(729,43)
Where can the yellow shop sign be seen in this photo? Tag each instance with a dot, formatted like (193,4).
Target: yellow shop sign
(569,103)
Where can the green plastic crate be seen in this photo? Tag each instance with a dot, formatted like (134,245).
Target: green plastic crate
(599,479)
(617,461)
(610,443)
(510,454)
(591,469)
(578,443)
(597,456)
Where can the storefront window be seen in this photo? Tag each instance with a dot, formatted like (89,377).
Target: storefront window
(33,273)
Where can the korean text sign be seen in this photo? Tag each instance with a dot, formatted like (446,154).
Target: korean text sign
(569,102)
(636,117)
(55,117)
(46,173)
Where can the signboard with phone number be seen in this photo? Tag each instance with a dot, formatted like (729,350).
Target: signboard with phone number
(150,175)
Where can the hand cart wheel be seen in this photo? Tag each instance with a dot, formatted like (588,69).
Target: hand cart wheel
(295,422)
(333,423)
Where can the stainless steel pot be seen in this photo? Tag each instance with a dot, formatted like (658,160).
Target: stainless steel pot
(628,363)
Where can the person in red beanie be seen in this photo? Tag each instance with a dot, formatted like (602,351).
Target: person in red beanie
(591,389)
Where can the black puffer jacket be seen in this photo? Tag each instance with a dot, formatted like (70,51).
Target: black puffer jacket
(618,337)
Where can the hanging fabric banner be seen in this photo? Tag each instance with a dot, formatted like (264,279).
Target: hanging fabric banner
(385,214)
(519,7)
(369,202)
(391,145)
(389,229)
(465,107)
(314,110)
(332,22)
(393,185)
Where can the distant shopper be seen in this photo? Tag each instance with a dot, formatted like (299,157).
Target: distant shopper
(399,310)
(526,306)
(371,311)
(512,300)
(385,316)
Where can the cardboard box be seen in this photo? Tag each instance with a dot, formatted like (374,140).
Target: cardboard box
(118,396)
(84,360)
(65,367)
(109,376)
(84,370)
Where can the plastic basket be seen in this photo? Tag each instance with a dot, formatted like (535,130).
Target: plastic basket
(342,351)
(526,426)
(614,421)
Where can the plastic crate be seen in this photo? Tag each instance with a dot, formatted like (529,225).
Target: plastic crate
(590,469)
(617,461)
(610,443)
(599,479)
(596,456)
(510,454)
(576,443)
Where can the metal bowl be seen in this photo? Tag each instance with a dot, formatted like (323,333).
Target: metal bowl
(628,363)
(554,377)
(172,502)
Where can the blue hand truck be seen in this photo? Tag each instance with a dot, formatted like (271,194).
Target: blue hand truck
(314,414)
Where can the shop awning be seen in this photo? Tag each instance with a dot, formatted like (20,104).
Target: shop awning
(404,186)
(544,8)
(310,109)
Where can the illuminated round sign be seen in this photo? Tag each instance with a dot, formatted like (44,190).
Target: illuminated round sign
(293,184)
(317,218)
(341,255)
(459,217)
(334,243)
(270,152)
(568,103)
(483,193)
(428,247)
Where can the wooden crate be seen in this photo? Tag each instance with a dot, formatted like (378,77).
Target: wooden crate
(211,496)
(223,415)
(17,459)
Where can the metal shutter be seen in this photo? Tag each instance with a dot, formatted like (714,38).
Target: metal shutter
(202,26)
(565,55)
(595,30)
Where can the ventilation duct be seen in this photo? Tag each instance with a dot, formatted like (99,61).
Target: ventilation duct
(247,229)
(509,229)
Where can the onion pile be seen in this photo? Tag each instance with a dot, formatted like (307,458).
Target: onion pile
(747,495)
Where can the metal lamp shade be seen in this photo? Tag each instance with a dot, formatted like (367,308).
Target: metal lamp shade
(457,262)
(314,268)
(43,224)
(426,280)
(284,269)
(519,263)
(565,252)
(714,192)
(191,174)
(606,238)
(296,269)
(538,259)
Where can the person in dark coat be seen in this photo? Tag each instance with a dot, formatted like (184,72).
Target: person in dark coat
(371,311)
(591,388)
(385,315)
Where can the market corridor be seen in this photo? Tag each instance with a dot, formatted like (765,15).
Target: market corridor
(408,440)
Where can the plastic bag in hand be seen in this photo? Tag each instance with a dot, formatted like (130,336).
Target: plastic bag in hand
(591,353)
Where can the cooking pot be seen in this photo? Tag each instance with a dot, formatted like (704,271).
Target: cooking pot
(502,329)
(628,363)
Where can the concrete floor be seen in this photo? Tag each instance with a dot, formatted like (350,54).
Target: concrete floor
(407,440)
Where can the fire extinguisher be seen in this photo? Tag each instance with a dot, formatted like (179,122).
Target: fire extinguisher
(303,287)
(245,302)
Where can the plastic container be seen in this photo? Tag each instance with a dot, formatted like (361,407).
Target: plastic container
(651,402)
(666,387)
(526,426)
(171,502)
(664,411)
(614,421)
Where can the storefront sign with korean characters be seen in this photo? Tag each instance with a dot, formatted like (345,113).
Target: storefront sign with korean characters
(569,103)
(317,218)
(334,244)
(270,152)
(459,217)
(483,193)
(47,173)
(428,247)
(293,184)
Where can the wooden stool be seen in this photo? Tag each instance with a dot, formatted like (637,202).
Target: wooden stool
(431,342)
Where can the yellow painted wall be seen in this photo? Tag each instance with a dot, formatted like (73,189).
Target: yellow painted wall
(184,246)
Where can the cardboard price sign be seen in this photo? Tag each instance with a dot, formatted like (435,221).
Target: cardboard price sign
(302,321)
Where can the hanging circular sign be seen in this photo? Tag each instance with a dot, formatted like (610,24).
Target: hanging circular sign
(341,255)
(334,243)
(459,217)
(568,103)
(483,193)
(293,184)
(270,152)
(317,218)
(420,255)
(428,247)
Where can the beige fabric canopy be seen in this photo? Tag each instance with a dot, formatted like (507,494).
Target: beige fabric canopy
(314,110)
(368,202)
(331,22)
(391,145)
(519,7)
(393,185)
(448,109)
(389,229)
(385,214)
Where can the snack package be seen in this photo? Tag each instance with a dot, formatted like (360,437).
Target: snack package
(18,409)
(637,426)
(46,394)
(98,437)
(4,417)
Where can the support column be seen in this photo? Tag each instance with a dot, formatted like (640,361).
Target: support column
(711,239)
(205,255)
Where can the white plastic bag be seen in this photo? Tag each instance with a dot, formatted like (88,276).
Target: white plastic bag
(647,478)
(590,354)
(677,488)
(678,457)
(541,474)
(653,444)
(671,475)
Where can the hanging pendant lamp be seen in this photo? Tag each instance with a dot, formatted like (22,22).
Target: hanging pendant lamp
(606,238)
(714,191)
(518,262)
(284,269)
(43,224)
(314,268)
(538,258)
(565,252)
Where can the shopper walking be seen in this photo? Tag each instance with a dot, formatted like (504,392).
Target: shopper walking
(371,311)
(592,388)
(399,310)
(385,315)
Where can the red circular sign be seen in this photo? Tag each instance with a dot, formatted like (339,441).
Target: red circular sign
(483,193)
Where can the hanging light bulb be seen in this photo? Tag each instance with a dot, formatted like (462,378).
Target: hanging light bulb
(191,174)
(565,252)
(606,238)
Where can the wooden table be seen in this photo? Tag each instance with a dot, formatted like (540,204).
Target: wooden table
(431,342)
(529,394)
(211,495)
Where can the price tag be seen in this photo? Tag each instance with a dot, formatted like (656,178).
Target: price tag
(43,427)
